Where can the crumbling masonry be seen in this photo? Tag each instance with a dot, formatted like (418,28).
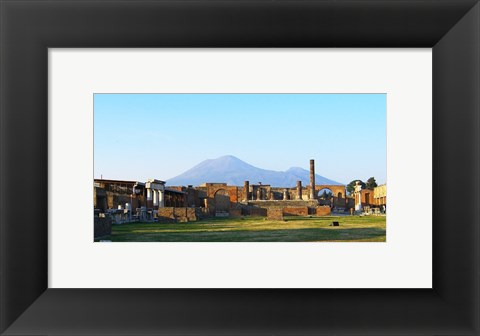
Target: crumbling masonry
(131,201)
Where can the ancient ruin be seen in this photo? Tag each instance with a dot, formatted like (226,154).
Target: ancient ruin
(150,201)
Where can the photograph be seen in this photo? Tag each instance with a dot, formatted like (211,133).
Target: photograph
(240,167)
(240,153)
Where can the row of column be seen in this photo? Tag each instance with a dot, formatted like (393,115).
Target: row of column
(157,195)
(313,195)
(246,188)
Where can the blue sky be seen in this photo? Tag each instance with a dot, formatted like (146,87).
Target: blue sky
(141,136)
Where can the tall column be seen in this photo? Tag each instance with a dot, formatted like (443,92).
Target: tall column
(148,203)
(161,198)
(358,201)
(246,188)
(299,190)
(285,194)
(312,179)
(155,197)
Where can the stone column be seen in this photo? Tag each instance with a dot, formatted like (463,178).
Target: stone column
(155,197)
(149,198)
(299,190)
(161,198)
(246,187)
(312,179)
(358,191)
(128,207)
(285,194)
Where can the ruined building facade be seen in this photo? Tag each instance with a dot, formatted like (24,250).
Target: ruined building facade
(152,200)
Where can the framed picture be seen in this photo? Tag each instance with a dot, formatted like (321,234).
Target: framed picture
(138,138)
(38,40)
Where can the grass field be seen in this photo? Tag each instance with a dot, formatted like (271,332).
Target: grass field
(257,229)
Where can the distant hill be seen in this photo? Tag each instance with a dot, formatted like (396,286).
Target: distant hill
(234,171)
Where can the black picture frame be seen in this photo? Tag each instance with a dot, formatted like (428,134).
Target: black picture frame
(29,28)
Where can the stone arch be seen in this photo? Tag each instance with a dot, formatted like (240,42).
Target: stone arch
(339,193)
(321,192)
(334,188)
(222,200)
(325,192)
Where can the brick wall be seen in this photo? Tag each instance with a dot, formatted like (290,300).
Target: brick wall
(235,212)
(323,211)
(257,212)
(294,203)
(180,214)
(275,214)
(177,214)
(233,193)
(295,211)
(165,214)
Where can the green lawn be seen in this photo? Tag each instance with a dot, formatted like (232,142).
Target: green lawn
(257,229)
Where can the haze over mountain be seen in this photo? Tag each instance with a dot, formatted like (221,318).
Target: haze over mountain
(234,171)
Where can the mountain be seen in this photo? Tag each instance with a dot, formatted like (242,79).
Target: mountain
(234,171)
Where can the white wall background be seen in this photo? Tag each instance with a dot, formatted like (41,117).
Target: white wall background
(405,261)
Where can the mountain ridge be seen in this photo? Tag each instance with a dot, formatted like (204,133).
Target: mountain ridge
(233,171)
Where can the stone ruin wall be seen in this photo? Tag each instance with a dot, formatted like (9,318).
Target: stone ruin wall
(102,227)
(114,200)
(276,193)
(182,215)
(323,211)
(275,214)
(295,211)
(199,197)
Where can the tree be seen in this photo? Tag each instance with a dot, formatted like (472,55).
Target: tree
(326,194)
(351,186)
(371,183)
